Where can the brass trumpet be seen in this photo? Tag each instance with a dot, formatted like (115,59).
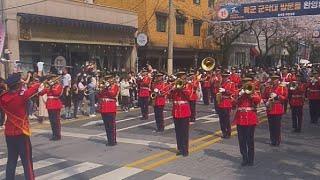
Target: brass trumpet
(248,88)
(293,86)
(179,84)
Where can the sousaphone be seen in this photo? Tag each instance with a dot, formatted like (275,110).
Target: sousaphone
(208,64)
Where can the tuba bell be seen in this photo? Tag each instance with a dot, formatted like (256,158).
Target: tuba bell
(249,88)
(179,84)
(208,64)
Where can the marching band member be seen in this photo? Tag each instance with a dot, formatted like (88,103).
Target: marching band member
(108,108)
(225,102)
(181,114)
(296,99)
(17,129)
(313,94)
(286,78)
(274,96)
(54,105)
(216,80)
(144,93)
(193,87)
(246,119)
(234,77)
(159,88)
(205,85)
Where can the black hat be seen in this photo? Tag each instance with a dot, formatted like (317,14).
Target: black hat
(246,79)
(275,76)
(181,73)
(13,79)
(159,74)
(108,76)
(226,73)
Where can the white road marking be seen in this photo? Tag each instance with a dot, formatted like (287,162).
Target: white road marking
(117,121)
(70,171)
(170,176)
(171,126)
(120,140)
(145,142)
(3,161)
(119,174)
(1,153)
(36,165)
(210,120)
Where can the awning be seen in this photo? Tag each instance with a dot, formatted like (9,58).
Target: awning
(254,52)
(41,19)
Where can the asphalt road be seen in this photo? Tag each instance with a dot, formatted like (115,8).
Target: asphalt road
(144,154)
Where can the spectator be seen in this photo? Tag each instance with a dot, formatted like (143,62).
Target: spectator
(78,91)
(125,94)
(66,83)
(91,96)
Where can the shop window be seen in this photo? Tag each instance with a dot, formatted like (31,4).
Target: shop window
(161,23)
(240,59)
(196,2)
(211,3)
(197,27)
(180,25)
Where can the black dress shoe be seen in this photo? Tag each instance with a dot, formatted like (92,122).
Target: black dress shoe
(54,139)
(111,144)
(250,163)
(179,153)
(185,154)
(244,163)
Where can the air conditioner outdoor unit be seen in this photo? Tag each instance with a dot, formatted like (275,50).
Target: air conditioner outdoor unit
(88,1)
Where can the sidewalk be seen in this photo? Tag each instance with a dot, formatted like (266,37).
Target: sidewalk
(298,157)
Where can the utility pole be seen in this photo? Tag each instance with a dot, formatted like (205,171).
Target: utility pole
(170,38)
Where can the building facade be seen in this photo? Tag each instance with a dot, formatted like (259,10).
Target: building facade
(70,31)
(190,44)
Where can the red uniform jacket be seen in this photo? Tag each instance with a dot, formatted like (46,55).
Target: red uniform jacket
(235,78)
(144,90)
(228,95)
(163,90)
(257,85)
(287,77)
(14,105)
(277,107)
(53,93)
(181,107)
(246,114)
(107,99)
(206,82)
(296,97)
(193,87)
(216,79)
(313,92)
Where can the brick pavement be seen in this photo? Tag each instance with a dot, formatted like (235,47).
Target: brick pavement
(298,157)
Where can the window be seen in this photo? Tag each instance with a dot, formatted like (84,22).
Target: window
(161,23)
(196,2)
(180,25)
(211,3)
(197,27)
(240,59)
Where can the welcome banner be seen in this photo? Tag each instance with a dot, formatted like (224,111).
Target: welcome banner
(273,9)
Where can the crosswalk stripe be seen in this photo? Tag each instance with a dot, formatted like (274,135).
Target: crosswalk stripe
(119,174)
(36,165)
(70,171)
(3,161)
(1,153)
(170,176)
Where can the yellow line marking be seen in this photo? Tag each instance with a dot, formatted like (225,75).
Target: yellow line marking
(141,161)
(174,157)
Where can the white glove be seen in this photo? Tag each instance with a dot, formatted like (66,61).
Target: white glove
(222,90)
(241,92)
(40,66)
(41,87)
(156,90)
(273,95)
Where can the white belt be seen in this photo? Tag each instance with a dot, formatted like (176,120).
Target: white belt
(108,99)
(297,96)
(53,97)
(145,88)
(245,109)
(180,102)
